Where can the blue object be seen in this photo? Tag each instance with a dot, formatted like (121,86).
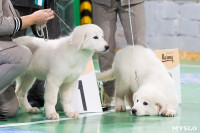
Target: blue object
(190,78)
(13,130)
(39,2)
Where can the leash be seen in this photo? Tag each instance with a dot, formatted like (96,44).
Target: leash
(129,14)
(41,28)
(63,21)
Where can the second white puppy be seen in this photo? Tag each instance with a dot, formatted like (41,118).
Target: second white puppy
(137,70)
(60,62)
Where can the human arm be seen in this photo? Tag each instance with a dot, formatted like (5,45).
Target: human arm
(7,24)
(39,17)
(10,25)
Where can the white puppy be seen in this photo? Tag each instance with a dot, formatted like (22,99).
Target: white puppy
(137,70)
(60,62)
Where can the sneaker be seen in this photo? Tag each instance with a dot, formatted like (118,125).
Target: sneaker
(3,117)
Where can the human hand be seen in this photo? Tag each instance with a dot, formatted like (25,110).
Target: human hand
(41,17)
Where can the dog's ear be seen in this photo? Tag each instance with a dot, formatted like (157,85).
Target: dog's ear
(159,100)
(134,96)
(154,96)
(129,98)
(78,36)
(160,108)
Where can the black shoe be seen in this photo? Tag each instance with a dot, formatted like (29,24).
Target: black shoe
(3,117)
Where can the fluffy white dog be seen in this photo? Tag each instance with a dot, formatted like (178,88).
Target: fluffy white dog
(60,62)
(137,70)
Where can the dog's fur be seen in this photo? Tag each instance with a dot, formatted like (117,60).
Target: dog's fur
(60,62)
(137,70)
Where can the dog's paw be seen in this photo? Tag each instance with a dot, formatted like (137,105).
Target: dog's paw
(53,116)
(73,114)
(169,113)
(34,110)
(120,108)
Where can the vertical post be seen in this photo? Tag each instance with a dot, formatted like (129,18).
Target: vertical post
(86,12)
(76,12)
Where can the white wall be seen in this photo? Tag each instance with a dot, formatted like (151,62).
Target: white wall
(173,24)
(170,24)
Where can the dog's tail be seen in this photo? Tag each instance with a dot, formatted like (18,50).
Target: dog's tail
(106,75)
(33,43)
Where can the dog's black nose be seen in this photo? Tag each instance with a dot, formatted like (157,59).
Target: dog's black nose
(134,111)
(106,47)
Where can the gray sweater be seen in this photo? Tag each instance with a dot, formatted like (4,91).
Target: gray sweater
(9,23)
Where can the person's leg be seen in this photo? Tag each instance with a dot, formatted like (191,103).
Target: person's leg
(36,94)
(106,18)
(54,26)
(138,23)
(8,103)
(13,62)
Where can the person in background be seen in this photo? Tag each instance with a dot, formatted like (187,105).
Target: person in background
(105,15)
(26,7)
(14,59)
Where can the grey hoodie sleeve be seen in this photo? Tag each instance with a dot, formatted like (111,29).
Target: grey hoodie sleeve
(8,25)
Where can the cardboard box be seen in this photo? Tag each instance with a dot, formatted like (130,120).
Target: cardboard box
(170,58)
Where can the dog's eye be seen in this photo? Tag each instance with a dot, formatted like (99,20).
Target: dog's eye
(95,37)
(145,103)
(137,100)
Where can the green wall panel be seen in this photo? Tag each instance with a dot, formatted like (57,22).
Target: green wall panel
(69,11)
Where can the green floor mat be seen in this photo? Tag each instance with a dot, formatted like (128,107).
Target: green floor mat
(187,119)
